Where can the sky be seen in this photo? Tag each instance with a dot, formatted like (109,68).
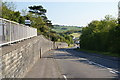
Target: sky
(77,12)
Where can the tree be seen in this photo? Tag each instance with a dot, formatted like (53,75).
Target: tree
(101,35)
(39,11)
(24,12)
(22,20)
(10,5)
(9,13)
(38,20)
(114,39)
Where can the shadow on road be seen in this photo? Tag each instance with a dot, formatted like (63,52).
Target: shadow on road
(86,58)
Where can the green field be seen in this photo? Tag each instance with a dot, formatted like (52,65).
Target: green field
(61,29)
(76,35)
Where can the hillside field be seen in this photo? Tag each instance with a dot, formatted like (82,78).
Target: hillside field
(61,29)
(76,35)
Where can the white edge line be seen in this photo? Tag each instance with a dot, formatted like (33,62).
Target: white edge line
(65,77)
(111,70)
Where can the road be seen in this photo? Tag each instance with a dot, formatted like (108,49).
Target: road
(68,63)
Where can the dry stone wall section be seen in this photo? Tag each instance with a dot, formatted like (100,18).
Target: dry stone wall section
(17,59)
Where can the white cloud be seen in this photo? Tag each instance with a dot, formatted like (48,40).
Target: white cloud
(61,0)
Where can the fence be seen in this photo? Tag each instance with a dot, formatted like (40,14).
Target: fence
(11,32)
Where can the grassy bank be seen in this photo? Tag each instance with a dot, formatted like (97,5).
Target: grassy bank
(103,53)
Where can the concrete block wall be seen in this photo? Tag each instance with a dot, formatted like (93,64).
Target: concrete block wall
(0,63)
(17,59)
(46,44)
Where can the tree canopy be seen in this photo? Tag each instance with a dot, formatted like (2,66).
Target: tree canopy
(38,18)
(103,35)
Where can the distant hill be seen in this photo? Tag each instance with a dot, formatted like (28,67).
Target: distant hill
(64,29)
(74,31)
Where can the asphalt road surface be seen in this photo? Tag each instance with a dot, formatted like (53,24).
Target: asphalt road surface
(68,63)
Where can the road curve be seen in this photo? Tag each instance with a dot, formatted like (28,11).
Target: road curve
(68,63)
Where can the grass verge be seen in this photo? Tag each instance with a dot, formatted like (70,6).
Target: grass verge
(103,53)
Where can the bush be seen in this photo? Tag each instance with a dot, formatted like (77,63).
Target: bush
(101,35)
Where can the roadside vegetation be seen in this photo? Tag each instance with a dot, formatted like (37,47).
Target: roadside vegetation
(99,52)
(102,36)
(38,18)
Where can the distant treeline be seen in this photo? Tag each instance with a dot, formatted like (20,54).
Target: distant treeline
(102,35)
(65,26)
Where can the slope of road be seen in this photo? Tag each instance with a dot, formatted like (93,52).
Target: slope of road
(67,63)
(104,61)
(44,68)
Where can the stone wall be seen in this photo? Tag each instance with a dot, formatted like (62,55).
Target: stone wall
(18,58)
(0,63)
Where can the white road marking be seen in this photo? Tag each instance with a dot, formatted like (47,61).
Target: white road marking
(98,64)
(110,70)
(90,62)
(65,77)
